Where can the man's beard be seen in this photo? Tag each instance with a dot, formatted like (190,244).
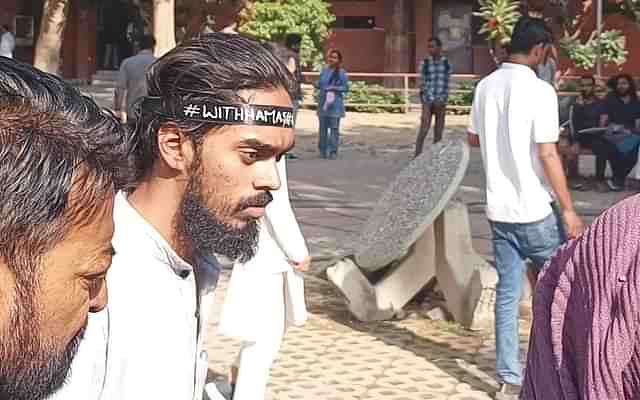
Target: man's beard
(31,368)
(204,230)
(623,93)
(588,93)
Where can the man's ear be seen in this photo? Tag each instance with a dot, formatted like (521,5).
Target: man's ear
(175,149)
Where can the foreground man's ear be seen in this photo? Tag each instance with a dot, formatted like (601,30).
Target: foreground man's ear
(175,149)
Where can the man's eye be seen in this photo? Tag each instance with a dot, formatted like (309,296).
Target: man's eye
(251,156)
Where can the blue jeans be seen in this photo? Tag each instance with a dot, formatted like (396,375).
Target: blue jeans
(513,244)
(329,136)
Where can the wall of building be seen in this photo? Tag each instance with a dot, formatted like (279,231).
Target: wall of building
(79,44)
(363,49)
(369,50)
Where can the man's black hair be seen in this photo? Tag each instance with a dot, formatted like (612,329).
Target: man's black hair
(633,90)
(212,69)
(436,40)
(527,34)
(55,145)
(147,42)
(293,39)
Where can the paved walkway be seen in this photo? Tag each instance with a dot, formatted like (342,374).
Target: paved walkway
(335,357)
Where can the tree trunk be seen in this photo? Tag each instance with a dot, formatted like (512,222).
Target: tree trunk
(164,26)
(49,44)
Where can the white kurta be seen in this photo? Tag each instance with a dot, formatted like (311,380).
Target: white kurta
(280,240)
(148,343)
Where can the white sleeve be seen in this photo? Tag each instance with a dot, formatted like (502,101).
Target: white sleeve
(282,221)
(546,122)
(476,113)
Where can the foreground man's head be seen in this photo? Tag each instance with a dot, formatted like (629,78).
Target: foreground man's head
(60,160)
(214,158)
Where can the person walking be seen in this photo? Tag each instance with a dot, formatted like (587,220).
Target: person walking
(333,85)
(435,74)
(132,83)
(520,158)
(272,276)
(7,42)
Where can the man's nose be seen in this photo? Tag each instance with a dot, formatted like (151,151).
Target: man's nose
(269,179)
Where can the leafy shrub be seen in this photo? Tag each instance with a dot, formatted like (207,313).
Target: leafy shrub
(272,20)
(462,96)
(584,55)
(363,93)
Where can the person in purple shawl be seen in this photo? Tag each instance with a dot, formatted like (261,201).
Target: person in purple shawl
(585,339)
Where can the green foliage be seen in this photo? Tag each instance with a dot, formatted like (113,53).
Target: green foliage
(363,93)
(462,96)
(273,19)
(570,86)
(628,8)
(500,16)
(584,55)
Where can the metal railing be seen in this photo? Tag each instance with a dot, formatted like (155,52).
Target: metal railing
(406,84)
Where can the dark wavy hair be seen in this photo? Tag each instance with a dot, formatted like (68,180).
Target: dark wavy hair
(60,156)
(633,89)
(212,68)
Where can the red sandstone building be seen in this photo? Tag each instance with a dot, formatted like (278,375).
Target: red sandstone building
(374,35)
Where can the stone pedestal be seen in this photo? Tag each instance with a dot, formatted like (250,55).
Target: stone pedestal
(406,277)
(458,265)
(444,251)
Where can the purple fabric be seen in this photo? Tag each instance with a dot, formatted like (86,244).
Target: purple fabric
(585,336)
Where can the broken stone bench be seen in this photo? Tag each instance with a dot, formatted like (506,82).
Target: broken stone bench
(417,233)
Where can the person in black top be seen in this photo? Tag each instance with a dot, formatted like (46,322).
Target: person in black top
(587,114)
(622,118)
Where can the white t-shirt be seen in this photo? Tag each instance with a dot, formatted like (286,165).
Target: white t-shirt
(7,44)
(513,111)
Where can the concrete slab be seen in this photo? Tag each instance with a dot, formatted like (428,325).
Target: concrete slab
(457,262)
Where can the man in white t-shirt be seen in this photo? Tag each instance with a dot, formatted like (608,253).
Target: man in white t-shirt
(514,119)
(7,41)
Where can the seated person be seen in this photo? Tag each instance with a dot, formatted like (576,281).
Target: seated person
(622,116)
(587,113)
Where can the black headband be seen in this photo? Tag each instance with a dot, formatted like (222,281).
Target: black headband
(225,114)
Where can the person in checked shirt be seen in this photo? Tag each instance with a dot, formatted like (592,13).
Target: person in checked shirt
(434,93)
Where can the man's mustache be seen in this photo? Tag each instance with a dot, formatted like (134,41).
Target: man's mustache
(260,201)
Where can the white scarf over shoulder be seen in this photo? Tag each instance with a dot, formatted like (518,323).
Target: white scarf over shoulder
(280,240)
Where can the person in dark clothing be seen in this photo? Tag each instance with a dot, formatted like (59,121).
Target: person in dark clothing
(434,93)
(622,119)
(587,114)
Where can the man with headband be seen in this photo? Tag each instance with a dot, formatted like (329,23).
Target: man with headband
(61,161)
(217,118)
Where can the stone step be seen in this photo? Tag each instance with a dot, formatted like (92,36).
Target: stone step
(104,77)
(103,82)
